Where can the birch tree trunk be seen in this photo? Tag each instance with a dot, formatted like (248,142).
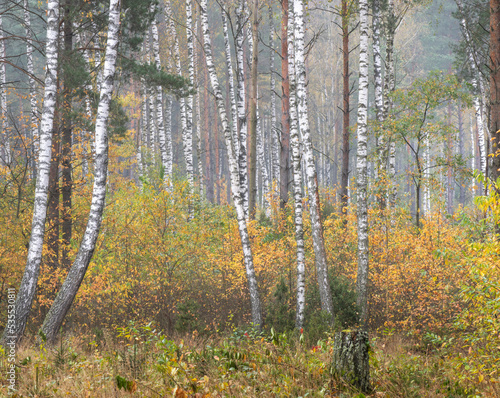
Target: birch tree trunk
(32,88)
(188,145)
(235,189)
(252,197)
(297,180)
(389,85)
(275,135)
(285,108)
(232,95)
(312,180)
(427,174)
(361,166)
(27,289)
(240,98)
(379,104)
(479,91)
(6,158)
(167,175)
(66,295)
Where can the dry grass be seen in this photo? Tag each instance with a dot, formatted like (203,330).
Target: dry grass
(146,364)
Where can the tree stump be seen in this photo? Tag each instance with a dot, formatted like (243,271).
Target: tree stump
(351,359)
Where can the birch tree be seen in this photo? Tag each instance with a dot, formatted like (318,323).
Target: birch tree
(3,97)
(66,295)
(297,179)
(240,98)
(361,165)
(32,87)
(235,178)
(311,176)
(29,281)
(162,139)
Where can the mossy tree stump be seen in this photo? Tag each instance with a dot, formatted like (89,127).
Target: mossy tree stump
(351,358)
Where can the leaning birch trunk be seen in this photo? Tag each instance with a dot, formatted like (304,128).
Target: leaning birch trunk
(297,180)
(351,358)
(240,98)
(361,167)
(27,289)
(312,181)
(32,87)
(235,189)
(167,178)
(66,295)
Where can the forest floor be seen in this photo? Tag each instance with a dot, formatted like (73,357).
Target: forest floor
(140,362)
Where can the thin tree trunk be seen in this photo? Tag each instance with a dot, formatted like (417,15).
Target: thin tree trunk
(27,289)
(6,158)
(32,88)
(285,109)
(252,197)
(312,181)
(188,144)
(275,135)
(361,168)
(240,97)
(66,143)
(238,202)
(162,138)
(66,295)
(344,179)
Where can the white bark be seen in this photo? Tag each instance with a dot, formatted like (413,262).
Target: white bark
(167,178)
(240,98)
(186,108)
(473,155)
(361,165)
(27,289)
(188,144)
(427,189)
(6,156)
(311,175)
(389,86)
(66,295)
(235,189)
(379,100)
(32,87)
(297,179)
(478,103)
(232,95)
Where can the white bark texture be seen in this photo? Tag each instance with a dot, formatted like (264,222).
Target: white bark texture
(6,155)
(167,178)
(27,289)
(311,176)
(297,179)
(188,145)
(66,295)
(478,104)
(186,108)
(379,99)
(235,189)
(389,86)
(361,165)
(427,189)
(240,98)
(232,95)
(32,87)
(473,154)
